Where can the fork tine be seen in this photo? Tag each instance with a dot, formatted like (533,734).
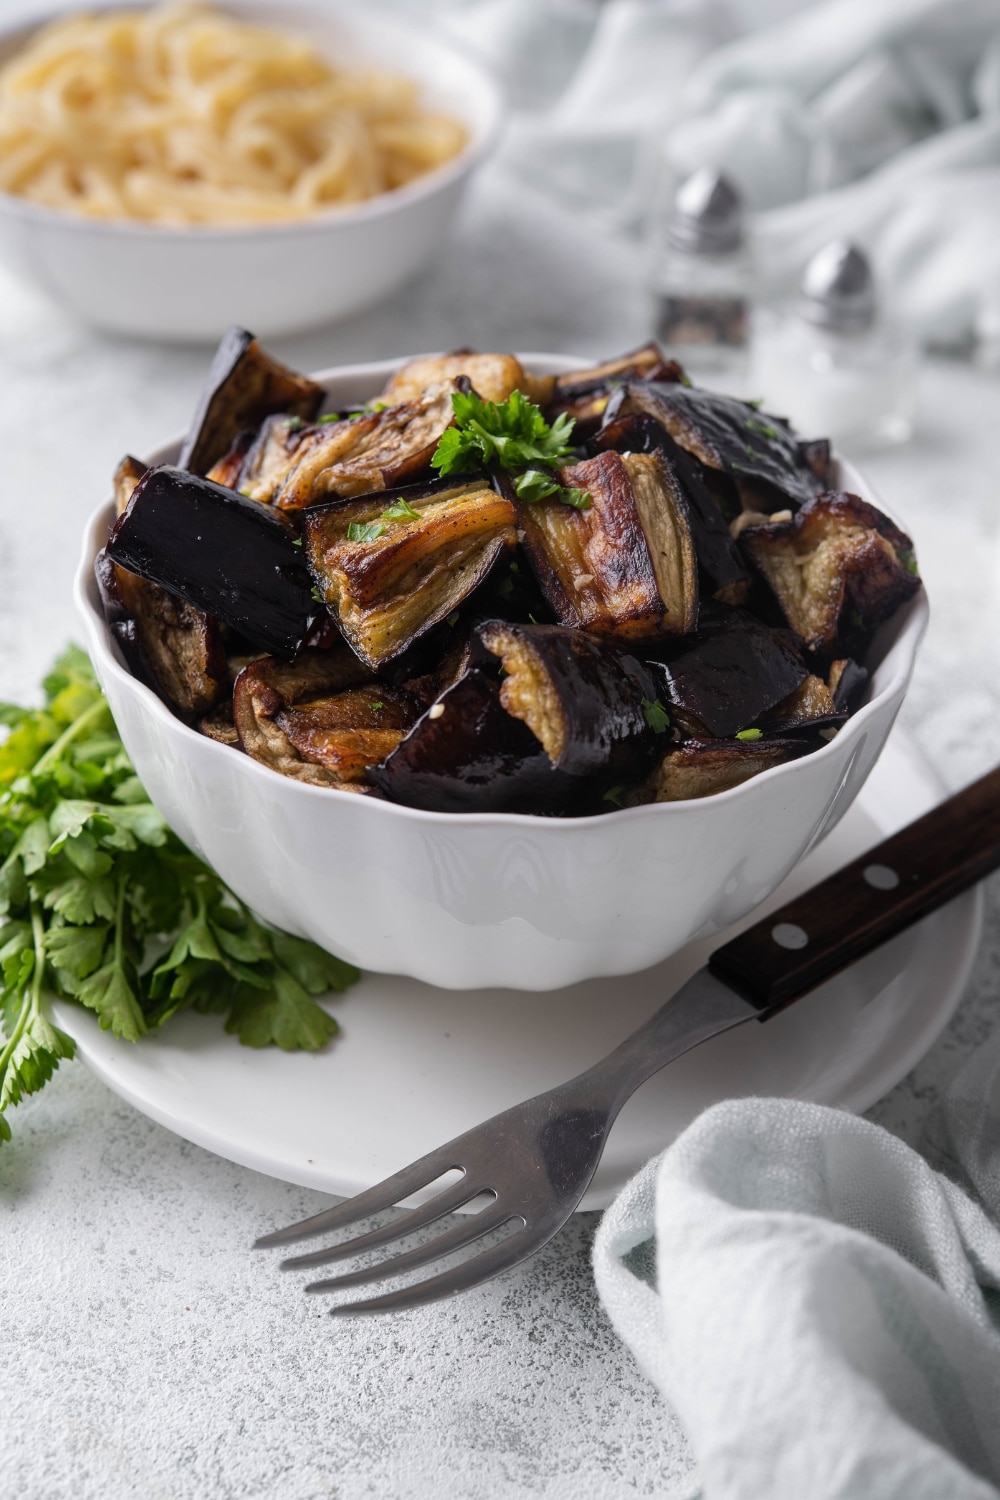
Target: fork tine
(449,1283)
(372,1201)
(443,1203)
(422,1255)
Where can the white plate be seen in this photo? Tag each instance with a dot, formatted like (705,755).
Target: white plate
(417,1065)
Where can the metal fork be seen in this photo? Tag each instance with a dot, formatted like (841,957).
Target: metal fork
(535,1161)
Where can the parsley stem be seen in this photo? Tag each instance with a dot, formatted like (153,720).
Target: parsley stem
(31,998)
(89,716)
(38,972)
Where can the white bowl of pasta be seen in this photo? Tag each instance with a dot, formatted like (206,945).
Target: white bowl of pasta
(170,171)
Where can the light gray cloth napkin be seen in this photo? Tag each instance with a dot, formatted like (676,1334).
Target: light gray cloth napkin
(817,1303)
(873,119)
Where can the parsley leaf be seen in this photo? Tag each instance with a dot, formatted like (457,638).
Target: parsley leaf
(535,484)
(400,510)
(365,531)
(656,715)
(100,902)
(748,734)
(512,434)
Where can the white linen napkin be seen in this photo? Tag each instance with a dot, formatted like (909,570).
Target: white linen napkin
(819,1306)
(873,119)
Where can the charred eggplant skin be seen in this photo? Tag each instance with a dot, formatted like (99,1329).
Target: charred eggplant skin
(724,573)
(422,551)
(229,556)
(725,434)
(703,768)
(723,678)
(467,754)
(593,708)
(244,386)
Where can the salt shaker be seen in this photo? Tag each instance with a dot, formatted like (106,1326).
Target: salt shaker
(834,363)
(702,277)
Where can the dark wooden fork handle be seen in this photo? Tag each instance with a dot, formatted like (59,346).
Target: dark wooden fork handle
(867,902)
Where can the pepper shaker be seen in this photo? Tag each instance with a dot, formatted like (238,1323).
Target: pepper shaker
(835,363)
(702,279)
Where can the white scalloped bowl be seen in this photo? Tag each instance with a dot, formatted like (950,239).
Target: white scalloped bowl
(189,283)
(473,900)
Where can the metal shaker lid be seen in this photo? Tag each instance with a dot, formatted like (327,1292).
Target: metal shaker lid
(708,214)
(838,289)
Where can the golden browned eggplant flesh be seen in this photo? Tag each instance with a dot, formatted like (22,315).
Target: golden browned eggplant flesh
(490,590)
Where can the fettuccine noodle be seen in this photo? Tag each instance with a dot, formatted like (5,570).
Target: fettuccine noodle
(180,115)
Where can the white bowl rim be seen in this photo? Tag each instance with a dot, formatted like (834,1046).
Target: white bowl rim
(481,142)
(913,625)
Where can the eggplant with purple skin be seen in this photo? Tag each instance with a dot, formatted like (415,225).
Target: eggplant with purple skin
(722,433)
(810,708)
(572,715)
(375,451)
(244,386)
(467,754)
(723,573)
(701,768)
(584,394)
(175,649)
(392,565)
(837,551)
(846,680)
(623,567)
(722,679)
(221,552)
(320,718)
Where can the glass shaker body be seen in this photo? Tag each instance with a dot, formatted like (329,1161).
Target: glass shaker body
(856,387)
(703,306)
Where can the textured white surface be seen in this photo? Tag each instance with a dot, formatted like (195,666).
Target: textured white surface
(146,1354)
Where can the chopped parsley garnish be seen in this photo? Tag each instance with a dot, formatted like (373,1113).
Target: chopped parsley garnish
(365,531)
(764,428)
(614,795)
(452,619)
(757,402)
(536,484)
(908,558)
(400,510)
(296,541)
(512,434)
(749,734)
(316,596)
(656,715)
(294,423)
(377,704)
(329,416)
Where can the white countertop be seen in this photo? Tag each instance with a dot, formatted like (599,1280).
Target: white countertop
(146,1354)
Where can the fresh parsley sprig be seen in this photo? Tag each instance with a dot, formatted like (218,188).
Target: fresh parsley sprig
(511,435)
(101,902)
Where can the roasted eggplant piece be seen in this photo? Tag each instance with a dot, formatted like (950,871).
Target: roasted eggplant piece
(468,754)
(126,477)
(220,725)
(818,458)
(699,768)
(723,433)
(174,648)
(371,452)
(492,376)
(318,719)
(723,678)
(264,465)
(624,567)
(244,386)
(723,573)
(837,550)
(846,680)
(221,552)
(593,708)
(812,706)
(391,566)
(584,394)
